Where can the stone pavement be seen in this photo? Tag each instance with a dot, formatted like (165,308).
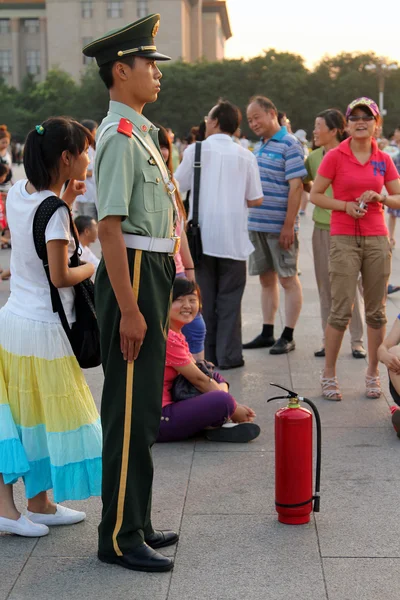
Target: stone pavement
(221,497)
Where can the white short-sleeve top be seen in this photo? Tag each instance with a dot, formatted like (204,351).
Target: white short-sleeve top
(30,292)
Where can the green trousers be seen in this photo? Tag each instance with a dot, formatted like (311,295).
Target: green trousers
(131,401)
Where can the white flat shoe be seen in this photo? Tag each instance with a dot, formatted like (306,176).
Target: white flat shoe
(63,516)
(23,526)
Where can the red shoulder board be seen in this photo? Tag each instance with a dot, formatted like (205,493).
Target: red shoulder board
(125,127)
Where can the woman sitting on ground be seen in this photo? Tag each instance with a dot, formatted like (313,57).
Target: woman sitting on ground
(214,411)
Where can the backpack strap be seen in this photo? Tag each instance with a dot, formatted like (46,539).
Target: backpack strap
(196,185)
(43,214)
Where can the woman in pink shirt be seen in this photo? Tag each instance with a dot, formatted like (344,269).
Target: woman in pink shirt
(357,171)
(214,410)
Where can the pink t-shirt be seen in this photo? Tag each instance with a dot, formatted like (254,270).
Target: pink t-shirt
(178,355)
(350,179)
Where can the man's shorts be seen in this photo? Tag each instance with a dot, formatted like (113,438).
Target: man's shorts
(268,255)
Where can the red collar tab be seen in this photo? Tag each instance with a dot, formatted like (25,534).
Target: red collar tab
(125,127)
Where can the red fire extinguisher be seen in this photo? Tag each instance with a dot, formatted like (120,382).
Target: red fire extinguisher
(294,459)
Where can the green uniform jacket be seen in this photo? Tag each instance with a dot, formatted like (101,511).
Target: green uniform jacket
(129,183)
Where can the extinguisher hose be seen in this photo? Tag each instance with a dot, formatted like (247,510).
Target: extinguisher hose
(316,497)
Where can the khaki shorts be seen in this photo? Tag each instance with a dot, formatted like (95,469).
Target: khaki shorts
(372,257)
(269,256)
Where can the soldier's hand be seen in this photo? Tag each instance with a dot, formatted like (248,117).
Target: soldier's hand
(132,330)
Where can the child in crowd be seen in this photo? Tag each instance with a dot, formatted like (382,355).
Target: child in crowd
(214,411)
(50,432)
(87,232)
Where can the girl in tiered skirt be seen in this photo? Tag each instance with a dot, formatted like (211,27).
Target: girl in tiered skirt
(50,433)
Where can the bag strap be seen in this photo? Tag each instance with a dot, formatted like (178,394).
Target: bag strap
(196,185)
(43,214)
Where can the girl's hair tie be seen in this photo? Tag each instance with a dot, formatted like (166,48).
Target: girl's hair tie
(40,129)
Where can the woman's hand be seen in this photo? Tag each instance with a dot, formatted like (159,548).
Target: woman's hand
(243,414)
(75,188)
(371,196)
(353,210)
(389,359)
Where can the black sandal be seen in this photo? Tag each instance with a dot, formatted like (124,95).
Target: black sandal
(359,353)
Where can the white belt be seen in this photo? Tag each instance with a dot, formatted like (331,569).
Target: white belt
(152,244)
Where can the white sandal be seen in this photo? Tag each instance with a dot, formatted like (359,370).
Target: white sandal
(373,387)
(330,388)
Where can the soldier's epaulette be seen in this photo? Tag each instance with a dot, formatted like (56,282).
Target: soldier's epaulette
(125,127)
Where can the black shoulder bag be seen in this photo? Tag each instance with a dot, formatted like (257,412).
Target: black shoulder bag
(193,228)
(84,335)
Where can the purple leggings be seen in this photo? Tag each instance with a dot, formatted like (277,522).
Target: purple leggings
(182,420)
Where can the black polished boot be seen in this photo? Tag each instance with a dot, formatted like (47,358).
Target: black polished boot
(142,558)
(160,539)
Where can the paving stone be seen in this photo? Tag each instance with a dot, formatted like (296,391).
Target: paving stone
(9,571)
(231,482)
(362,579)
(355,519)
(249,557)
(88,578)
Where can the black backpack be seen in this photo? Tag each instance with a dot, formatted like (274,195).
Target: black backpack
(84,334)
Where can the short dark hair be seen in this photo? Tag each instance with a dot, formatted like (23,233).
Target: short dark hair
(281,115)
(43,151)
(83,222)
(227,115)
(105,71)
(334,119)
(90,124)
(265,103)
(4,169)
(184,287)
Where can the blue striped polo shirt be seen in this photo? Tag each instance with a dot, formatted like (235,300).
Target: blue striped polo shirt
(279,159)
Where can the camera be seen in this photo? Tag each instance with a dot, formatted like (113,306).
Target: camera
(362,205)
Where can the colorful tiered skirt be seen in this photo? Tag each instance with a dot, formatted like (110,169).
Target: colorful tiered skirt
(50,433)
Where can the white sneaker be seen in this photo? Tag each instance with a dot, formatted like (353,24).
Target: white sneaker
(63,516)
(23,526)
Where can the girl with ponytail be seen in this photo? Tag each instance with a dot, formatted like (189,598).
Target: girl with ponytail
(49,426)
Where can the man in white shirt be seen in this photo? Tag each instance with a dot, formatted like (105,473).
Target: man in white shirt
(229,184)
(87,232)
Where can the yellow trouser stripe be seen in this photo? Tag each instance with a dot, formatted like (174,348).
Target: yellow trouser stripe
(128,420)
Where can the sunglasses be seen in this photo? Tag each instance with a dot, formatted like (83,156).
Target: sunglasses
(355,118)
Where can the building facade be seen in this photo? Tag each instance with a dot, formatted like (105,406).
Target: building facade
(36,36)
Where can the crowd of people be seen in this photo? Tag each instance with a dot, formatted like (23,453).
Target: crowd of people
(149,200)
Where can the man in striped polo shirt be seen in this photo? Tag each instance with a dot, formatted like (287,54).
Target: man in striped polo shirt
(273,226)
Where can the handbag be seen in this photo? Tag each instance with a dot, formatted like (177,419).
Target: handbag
(193,233)
(84,334)
(182,389)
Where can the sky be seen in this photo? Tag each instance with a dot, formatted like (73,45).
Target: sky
(312,28)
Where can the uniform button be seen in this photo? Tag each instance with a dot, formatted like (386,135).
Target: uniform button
(167,418)
(158,180)
(162,418)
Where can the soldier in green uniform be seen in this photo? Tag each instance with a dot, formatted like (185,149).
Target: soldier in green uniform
(133,286)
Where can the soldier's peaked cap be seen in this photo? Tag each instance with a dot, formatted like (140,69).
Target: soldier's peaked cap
(136,39)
